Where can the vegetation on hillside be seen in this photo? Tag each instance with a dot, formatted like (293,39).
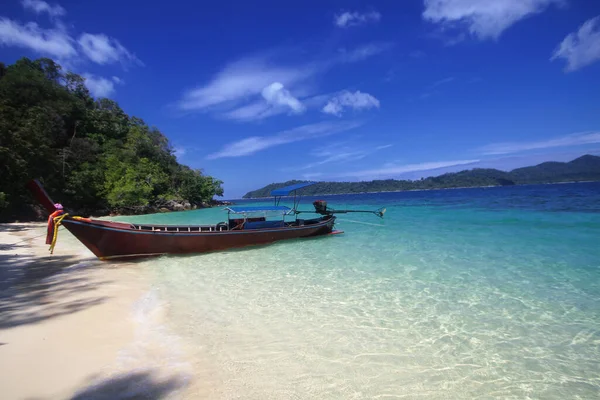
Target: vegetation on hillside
(585,168)
(89,154)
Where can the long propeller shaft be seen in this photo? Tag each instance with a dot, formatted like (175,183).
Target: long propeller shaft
(331,211)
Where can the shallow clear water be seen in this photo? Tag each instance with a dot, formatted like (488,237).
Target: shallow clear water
(467,293)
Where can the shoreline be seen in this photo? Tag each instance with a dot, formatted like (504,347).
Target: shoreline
(72,326)
(420,190)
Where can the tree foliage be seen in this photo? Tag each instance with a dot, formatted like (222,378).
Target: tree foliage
(585,168)
(89,153)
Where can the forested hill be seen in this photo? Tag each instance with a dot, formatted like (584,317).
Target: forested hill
(90,155)
(585,168)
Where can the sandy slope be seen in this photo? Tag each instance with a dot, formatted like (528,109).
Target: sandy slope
(74,327)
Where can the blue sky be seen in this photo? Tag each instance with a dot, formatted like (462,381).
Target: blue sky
(262,92)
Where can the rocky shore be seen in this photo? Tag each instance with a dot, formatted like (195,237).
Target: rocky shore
(36,213)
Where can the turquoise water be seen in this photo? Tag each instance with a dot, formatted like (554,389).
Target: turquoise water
(469,293)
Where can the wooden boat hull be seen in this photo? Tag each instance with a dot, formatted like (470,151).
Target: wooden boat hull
(118,240)
(112,240)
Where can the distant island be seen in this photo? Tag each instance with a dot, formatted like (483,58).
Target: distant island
(584,168)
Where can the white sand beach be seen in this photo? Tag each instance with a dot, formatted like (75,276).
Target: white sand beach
(74,327)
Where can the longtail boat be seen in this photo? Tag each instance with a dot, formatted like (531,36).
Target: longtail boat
(245,226)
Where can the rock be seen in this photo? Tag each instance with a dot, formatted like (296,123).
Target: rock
(163,210)
(187,205)
(220,203)
(172,205)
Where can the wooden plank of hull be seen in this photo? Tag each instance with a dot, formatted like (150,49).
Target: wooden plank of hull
(108,242)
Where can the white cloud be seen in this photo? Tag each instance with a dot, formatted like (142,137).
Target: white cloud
(337,157)
(180,152)
(98,86)
(347,19)
(363,52)
(333,108)
(254,144)
(564,141)
(431,89)
(441,82)
(580,48)
(395,170)
(252,112)
(52,42)
(340,154)
(275,100)
(276,95)
(317,101)
(102,49)
(346,99)
(417,54)
(240,80)
(39,7)
(57,42)
(257,87)
(485,19)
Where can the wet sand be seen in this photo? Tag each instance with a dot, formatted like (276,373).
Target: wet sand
(74,327)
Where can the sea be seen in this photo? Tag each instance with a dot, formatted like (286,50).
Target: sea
(472,293)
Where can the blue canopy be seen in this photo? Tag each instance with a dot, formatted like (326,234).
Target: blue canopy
(249,209)
(284,191)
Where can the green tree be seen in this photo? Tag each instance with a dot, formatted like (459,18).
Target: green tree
(130,185)
(89,153)
(197,188)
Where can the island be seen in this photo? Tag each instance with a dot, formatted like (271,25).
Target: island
(582,169)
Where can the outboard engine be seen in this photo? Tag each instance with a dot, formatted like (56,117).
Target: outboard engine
(320,207)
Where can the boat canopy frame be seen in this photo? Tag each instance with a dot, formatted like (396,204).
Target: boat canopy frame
(286,190)
(253,217)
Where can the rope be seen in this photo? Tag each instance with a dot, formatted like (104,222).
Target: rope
(28,239)
(57,222)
